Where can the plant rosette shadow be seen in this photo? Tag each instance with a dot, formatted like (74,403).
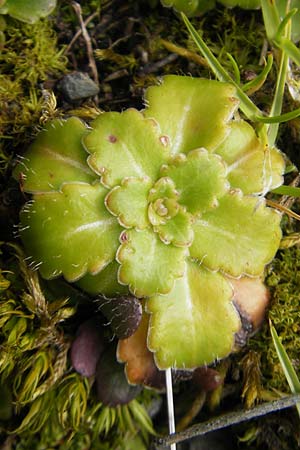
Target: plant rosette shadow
(167,205)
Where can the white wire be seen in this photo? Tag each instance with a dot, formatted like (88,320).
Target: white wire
(170,402)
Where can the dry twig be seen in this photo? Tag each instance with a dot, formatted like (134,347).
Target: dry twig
(88,42)
(79,32)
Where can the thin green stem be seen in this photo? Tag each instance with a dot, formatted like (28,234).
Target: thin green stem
(279,91)
(247,106)
(279,119)
(287,46)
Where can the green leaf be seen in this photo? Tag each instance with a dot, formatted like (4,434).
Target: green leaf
(271,17)
(286,365)
(162,189)
(105,282)
(200,307)
(292,191)
(55,157)
(177,230)
(199,177)
(70,232)
(162,210)
(125,145)
(195,120)
(147,265)
(29,12)
(239,237)
(129,202)
(251,167)
(281,6)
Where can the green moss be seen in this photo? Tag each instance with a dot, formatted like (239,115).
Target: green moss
(43,401)
(283,278)
(31,51)
(29,57)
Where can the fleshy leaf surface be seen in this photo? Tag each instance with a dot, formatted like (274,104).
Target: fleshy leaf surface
(199,114)
(200,307)
(147,265)
(129,202)
(125,145)
(163,188)
(56,157)
(251,167)
(70,232)
(199,177)
(239,237)
(104,282)
(178,230)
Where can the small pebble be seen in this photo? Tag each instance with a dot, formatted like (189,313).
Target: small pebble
(78,86)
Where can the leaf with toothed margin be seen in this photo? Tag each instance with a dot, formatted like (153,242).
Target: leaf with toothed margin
(70,232)
(200,306)
(239,237)
(251,167)
(147,265)
(55,157)
(129,202)
(125,145)
(200,110)
(178,230)
(104,282)
(199,177)
(140,367)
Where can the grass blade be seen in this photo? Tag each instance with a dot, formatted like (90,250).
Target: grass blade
(286,364)
(246,105)
(287,190)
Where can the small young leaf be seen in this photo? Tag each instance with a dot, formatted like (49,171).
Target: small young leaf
(178,230)
(129,202)
(199,177)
